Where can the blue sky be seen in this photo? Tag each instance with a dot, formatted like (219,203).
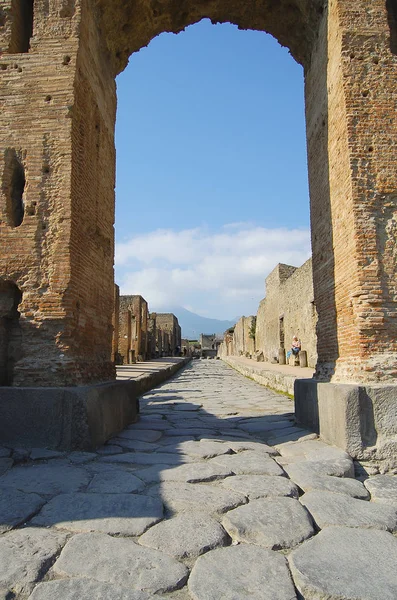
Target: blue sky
(211,169)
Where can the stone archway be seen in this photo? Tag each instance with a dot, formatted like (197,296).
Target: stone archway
(61,255)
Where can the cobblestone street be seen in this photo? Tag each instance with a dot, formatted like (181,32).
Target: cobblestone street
(215,494)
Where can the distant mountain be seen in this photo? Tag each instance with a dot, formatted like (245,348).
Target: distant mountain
(192,325)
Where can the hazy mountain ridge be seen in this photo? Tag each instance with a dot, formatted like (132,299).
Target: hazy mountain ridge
(192,325)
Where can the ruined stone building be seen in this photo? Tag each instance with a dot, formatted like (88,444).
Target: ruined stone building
(172,335)
(133,329)
(152,336)
(208,345)
(59,61)
(287,310)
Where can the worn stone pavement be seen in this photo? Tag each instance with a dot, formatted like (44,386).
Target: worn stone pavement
(214,494)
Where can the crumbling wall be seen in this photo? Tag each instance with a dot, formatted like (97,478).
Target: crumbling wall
(287,310)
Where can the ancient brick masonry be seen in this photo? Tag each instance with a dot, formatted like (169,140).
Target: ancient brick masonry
(143,335)
(58,62)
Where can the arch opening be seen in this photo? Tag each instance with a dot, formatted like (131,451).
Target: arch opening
(232,106)
(391,7)
(14,182)
(22,26)
(10,330)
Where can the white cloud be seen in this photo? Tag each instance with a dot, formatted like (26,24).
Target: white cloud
(220,274)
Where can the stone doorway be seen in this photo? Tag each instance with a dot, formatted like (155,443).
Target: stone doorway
(10,331)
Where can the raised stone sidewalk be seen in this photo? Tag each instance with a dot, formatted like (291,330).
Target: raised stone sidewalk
(214,494)
(278,377)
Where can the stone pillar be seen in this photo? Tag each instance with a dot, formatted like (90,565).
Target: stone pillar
(115,322)
(57,193)
(351,108)
(351,113)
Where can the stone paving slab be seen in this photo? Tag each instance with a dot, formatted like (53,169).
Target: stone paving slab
(186,535)
(102,558)
(261,486)
(45,479)
(24,554)
(191,473)
(239,573)
(308,482)
(274,523)
(83,589)
(383,488)
(181,497)
(249,462)
(169,493)
(329,508)
(17,507)
(5,464)
(126,514)
(341,563)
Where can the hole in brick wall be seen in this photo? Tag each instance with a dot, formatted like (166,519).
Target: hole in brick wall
(14,187)
(48,98)
(46,169)
(2,18)
(391,8)
(22,26)
(10,331)
(370,149)
(365,93)
(3,67)
(68,9)
(66,60)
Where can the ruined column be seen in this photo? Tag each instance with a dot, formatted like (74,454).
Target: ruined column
(351,113)
(56,163)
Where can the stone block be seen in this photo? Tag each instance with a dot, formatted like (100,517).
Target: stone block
(360,419)
(66,418)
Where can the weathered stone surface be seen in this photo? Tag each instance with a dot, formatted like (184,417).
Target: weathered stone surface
(80,458)
(341,563)
(383,488)
(191,473)
(142,435)
(44,453)
(173,440)
(5,464)
(186,535)
(127,514)
(46,479)
(115,482)
(135,445)
(241,572)
(329,508)
(16,507)
(270,522)
(249,463)
(308,482)
(204,449)
(150,423)
(151,458)
(84,589)
(109,449)
(307,469)
(24,554)
(190,496)
(261,486)
(116,560)
(301,450)
(256,446)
